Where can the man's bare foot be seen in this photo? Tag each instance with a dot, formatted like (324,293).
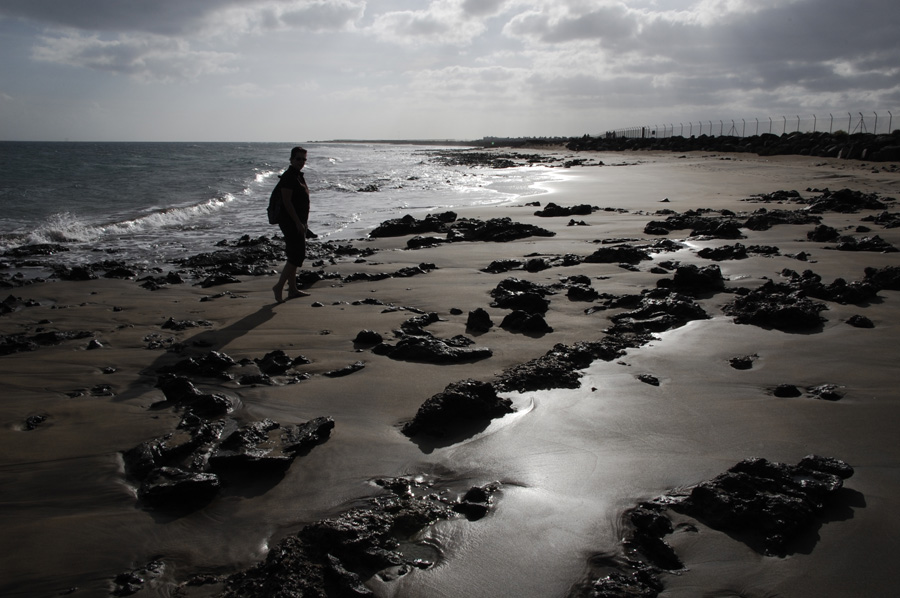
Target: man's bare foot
(297,293)
(277,290)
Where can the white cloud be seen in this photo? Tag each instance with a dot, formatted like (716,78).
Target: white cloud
(453,22)
(145,57)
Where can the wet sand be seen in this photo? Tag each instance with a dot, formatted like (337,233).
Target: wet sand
(569,461)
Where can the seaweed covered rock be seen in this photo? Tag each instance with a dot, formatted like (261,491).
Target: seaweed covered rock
(460,403)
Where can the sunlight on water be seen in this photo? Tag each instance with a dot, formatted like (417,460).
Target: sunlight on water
(177,198)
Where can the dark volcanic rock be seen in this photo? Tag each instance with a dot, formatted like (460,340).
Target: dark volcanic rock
(765,504)
(859,321)
(346,370)
(648,379)
(553,210)
(496,230)
(513,293)
(464,402)
(769,502)
(558,368)
(532,303)
(408,225)
(213,364)
(694,280)
(839,291)
(624,254)
(887,278)
(266,446)
(658,311)
(726,252)
(765,219)
(845,201)
(776,306)
(479,321)
(429,349)
(477,501)
(744,362)
(875,243)
(368,337)
(173,487)
(332,557)
(17,343)
(277,363)
(823,234)
(826,392)
(525,322)
(500,266)
(180,471)
(786,391)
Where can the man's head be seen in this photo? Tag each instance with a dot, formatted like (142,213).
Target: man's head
(298,157)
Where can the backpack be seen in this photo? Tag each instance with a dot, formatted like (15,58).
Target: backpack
(275,203)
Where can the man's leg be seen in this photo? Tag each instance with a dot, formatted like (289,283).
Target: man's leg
(289,277)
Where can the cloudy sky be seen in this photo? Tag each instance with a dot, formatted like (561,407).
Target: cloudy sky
(278,70)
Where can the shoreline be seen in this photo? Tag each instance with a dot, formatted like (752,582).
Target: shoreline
(569,461)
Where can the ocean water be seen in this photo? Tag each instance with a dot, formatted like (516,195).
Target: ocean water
(151,203)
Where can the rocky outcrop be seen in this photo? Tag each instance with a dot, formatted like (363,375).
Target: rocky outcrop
(777,306)
(182,470)
(767,505)
(332,557)
(459,404)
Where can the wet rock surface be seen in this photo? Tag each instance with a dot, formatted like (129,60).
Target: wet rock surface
(332,558)
(18,343)
(767,505)
(558,368)
(776,306)
(461,403)
(657,311)
(182,470)
(551,210)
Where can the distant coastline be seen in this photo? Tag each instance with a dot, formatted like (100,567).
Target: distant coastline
(858,146)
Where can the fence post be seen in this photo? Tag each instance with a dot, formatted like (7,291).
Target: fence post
(890,122)
(875,128)
(814,123)
(757,127)
(831,124)
(710,129)
(770,125)
(744,128)
(798,123)
(784,126)
(849,123)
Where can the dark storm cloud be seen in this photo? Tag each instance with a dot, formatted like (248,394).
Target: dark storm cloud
(177,17)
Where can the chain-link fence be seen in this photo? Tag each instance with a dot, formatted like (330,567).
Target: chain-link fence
(859,122)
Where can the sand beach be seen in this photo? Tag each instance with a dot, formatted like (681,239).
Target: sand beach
(562,467)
